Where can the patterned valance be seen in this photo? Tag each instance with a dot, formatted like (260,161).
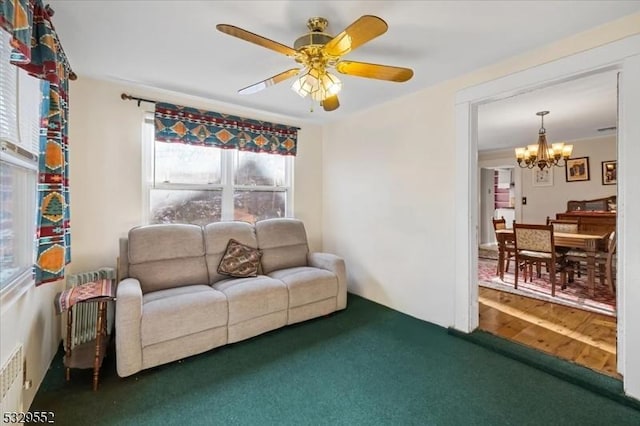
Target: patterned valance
(193,126)
(36,45)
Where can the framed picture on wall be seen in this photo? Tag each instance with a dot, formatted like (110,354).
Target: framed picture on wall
(577,169)
(542,177)
(609,172)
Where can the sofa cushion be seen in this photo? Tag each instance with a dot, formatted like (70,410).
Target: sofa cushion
(176,312)
(307,284)
(239,260)
(216,239)
(253,297)
(283,243)
(167,256)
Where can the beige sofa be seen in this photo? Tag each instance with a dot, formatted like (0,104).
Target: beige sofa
(172,303)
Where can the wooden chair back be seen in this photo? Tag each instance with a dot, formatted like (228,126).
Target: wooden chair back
(499,223)
(534,244)
(564,225)
(535,238)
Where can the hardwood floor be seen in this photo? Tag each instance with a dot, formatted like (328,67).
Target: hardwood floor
(586,338)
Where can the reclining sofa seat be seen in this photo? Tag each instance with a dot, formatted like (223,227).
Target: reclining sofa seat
(173,303)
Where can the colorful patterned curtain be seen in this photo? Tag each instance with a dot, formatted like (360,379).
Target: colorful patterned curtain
(38,51)
(186,125)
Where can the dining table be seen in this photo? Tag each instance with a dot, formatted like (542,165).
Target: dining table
(587,242)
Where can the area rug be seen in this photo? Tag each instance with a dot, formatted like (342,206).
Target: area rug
(575,295)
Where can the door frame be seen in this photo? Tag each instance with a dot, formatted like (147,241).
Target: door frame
(622,55)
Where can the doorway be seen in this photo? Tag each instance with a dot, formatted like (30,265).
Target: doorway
(580,111)
(497,200)
(623,55)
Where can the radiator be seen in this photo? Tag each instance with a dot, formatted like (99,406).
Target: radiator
(11,378)
(85,315)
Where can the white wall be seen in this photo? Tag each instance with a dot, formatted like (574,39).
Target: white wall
(30,320)
(543,201)
(389,186)
(105,151)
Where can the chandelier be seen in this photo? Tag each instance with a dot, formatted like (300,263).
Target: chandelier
(317,83)
(540,154)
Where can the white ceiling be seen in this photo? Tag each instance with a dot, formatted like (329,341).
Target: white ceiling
(577,109)
(174,45)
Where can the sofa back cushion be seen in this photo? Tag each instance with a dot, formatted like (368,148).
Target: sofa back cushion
(283,243)
(166,256)
(216,238)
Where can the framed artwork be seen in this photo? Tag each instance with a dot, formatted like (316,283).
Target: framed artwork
(577,169)
(542,177)
(609,172)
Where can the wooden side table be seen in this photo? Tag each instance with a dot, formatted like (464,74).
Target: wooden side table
(89,354)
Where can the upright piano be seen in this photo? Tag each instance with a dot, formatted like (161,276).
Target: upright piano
(596,216)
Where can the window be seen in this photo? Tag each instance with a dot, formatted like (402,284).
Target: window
(199,185)
(19,142)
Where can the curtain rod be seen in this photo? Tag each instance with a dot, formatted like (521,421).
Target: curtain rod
(126,97)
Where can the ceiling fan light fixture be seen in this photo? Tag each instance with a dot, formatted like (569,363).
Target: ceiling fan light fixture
(328,85)
(318,84)
(306,83)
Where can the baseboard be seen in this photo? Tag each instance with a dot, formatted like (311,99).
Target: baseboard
(573,373)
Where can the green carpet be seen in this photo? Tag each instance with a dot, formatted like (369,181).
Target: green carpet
(366,365)
(571,372)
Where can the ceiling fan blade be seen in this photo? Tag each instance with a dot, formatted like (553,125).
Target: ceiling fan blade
(379,72)
(269,82)
(255,38)
(364,29)
(331,103)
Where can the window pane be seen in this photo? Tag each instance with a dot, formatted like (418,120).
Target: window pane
(17,221)
(188,164)
(259,169)
(180,206)
(251,206)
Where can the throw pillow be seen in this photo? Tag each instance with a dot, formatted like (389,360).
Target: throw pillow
(240,260)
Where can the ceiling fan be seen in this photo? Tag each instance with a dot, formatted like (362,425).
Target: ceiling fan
(318,52)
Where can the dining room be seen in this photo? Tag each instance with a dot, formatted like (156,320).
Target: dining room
(547,262)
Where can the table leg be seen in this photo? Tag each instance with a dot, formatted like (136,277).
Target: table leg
(591,266)
(67,346)
(99,336)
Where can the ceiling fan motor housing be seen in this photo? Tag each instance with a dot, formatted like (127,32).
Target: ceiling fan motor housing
(316,35)
(312,39)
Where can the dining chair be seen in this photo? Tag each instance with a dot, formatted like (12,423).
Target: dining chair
(564,225)
(534,244)
(508,247)
(567,226)
(610,261)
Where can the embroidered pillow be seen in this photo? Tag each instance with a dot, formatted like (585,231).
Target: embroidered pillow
(240,260)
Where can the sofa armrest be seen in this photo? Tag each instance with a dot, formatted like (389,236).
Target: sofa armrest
(335,264)
(128,322)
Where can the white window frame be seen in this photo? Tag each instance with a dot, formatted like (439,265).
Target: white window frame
(20,149)
(227,185)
